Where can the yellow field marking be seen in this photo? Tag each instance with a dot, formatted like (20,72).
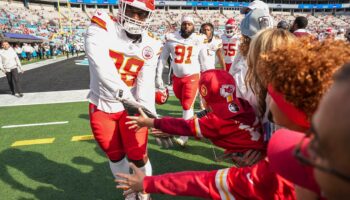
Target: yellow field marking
(82,138)
(32,142)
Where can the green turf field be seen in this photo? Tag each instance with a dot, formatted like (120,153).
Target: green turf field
(66,169)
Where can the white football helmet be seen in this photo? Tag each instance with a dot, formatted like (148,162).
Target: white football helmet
(131,25)
(230,27)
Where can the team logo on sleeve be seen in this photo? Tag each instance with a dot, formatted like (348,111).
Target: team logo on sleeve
(147,53)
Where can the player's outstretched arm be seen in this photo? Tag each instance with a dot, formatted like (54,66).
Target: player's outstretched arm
(163,58)
(198,184)
(137,122)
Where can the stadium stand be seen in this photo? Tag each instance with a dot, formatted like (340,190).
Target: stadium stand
(64,24)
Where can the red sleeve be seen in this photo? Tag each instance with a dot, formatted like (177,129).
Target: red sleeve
(198,127)
(256,182)
(174,126)
(191,183)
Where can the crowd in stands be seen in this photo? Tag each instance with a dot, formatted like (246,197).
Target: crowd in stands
(43,21)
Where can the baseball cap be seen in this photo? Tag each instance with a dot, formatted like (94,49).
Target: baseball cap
(187,18)
(297,116)
(218,89)
(280,154)
(255,21)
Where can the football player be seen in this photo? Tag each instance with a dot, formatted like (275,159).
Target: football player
(184,47)
(230,42)
(213,49)
(123,58)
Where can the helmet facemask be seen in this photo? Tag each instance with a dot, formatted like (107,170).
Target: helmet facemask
(125,16)
(230,31)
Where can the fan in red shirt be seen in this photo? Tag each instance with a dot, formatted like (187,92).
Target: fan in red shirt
(229,122)
(217,88)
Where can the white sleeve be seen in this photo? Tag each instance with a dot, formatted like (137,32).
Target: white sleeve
(144,90)
(101,65)
(203,48)
(161,63)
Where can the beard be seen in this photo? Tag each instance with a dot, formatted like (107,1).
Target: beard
(186,34)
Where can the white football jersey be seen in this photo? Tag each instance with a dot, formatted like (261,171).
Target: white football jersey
(207,55)
(185,53)
(119,63)
(230,47)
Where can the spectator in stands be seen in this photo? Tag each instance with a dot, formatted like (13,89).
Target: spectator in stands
(28,49)
(347,34)
(299,27)
(77,48)
(36,49)
(18,50)
(52,49)
(41,52)
(72,48)
(340,34)
(330,33)
(66,49)
(11,65)
(283,25)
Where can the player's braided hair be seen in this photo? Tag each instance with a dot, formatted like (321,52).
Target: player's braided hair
(303,71)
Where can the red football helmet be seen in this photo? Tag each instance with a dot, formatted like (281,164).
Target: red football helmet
(162,96)
(230,27)
(131,25)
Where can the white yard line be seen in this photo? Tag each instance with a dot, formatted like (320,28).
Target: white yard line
(44,98)
(37,124)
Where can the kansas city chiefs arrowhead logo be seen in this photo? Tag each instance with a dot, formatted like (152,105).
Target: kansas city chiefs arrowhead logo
(227,90)
(147,53)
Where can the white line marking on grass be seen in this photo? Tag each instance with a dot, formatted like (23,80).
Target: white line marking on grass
(37,124)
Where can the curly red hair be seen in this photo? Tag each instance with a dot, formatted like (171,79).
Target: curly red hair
(303,71)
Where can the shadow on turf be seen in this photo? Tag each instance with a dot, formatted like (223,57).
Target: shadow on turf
(84,116)
(63,181)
